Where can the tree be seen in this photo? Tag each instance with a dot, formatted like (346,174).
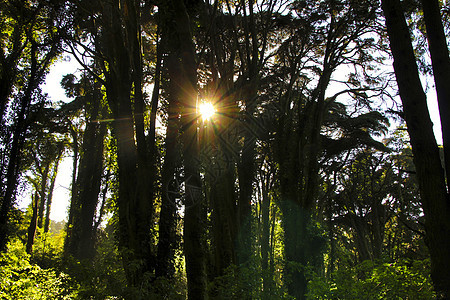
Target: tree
(80,238)
(182,70)
(441,70)
(315,48)
(117,51)
(40,35)
(167,241)
(366,183)
(430,173)
(43,150)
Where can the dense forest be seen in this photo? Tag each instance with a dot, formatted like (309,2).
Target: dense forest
(226,149)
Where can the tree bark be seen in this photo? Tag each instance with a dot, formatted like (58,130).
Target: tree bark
(171,189)
(51,189)
(43,194)
(80,238)
(73,199)
(265,239)
(33,223)
(441,70)
(120,49)
(18,140)
(183,73)
(223,202)
(430,173)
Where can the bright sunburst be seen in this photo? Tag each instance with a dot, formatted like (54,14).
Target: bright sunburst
(206,110)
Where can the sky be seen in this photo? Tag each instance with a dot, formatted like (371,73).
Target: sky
(434,113)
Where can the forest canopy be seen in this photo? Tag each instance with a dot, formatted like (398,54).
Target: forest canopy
(226,149)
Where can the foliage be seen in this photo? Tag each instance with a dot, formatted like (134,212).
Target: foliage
(21,279)
(101,278)
(243,283)
(48,248)
(404,279)
(104,276)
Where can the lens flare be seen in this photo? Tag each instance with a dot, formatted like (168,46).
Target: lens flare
(206,110)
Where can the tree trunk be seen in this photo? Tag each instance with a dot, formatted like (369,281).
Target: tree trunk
(33,224)
(135,191)
(73,199)
(80,236)
(441,71)
(80,239)
(265,242)
(298,150)
(246,174)
(195,208)
(170,189)
(295,222)
(360,237)
(146,172)
(50,192)
(223,202)
(378,227)
(21,126)
(430,173)
(43,194)
(183,74)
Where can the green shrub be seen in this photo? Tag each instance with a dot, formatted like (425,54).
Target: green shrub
(20,279)
(244,283)
(370,280)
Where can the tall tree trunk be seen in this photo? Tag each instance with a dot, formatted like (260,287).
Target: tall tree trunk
(43,194)
(298,150)
(441,71)
(430,173)
(219,146)
(184,76)
(18,140)
(246,173)
(171,188)
(219,150)
(332,239)
(246,166)
(33,223)
(360,236)
(73,199)
(50,192)
(89,190)
(195,208)
(265,240)
(223,203)
(146,172)
(80,239)
(378,227)
(168,239)
(80,236)
(135,190)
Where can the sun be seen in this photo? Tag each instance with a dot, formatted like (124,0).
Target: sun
(206,110)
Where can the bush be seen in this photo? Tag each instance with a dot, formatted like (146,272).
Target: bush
(20,279)
(370,280)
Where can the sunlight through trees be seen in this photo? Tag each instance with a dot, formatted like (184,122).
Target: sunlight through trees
(268,149)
